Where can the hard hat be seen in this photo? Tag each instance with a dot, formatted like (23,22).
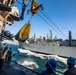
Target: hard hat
(52,63)
(71,60)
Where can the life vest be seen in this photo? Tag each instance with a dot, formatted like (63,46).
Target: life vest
(9,53)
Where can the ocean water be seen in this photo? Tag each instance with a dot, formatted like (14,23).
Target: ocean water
(35,61)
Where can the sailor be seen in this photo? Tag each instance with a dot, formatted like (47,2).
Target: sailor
(71,69)
(50,67)
(1,60)
(3,53)
(9,56)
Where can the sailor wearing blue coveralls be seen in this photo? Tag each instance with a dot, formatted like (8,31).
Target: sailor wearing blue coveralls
(50,67)
(71,69)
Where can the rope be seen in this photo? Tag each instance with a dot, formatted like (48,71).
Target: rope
(19,2)
(30,18)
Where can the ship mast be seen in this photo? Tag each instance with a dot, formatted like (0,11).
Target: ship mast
(70,38)
(51,34)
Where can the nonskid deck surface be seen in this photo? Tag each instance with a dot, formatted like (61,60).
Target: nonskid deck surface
(9,70)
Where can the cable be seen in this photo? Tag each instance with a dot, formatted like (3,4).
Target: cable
(49,25)
(48,18)
(52,22)
(19,2)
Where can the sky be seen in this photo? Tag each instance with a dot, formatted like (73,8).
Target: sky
(61,14)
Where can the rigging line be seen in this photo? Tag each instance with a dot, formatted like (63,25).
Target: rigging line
(46,21)
(19,2)
(49,24)
(52,22)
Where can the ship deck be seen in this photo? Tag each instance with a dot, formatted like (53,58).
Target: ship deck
(9,70)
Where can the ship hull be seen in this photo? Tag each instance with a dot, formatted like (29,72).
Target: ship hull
(50,48)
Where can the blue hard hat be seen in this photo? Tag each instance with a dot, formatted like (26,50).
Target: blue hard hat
(52,63)
(71,60)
